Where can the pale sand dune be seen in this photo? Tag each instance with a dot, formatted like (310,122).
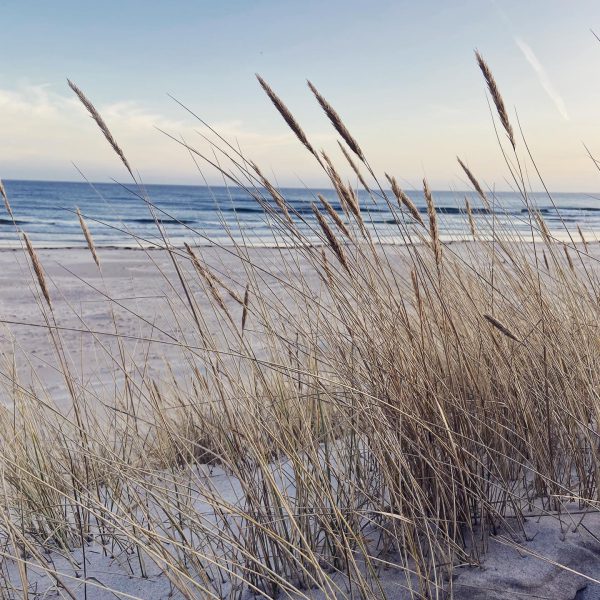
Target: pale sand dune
(137,283)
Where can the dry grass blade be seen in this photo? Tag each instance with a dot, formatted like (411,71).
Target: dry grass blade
(404,200)
(433,225)
(286,114)
(100,122)
(496,97)
(337,122)
(501,327)
(417,292)
(88,237)
(37,267)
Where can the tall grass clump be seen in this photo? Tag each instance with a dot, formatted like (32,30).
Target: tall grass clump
(350,408)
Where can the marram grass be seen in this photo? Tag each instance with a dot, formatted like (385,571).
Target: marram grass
(386,406)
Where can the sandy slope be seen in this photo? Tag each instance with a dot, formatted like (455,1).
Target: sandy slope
(145,294)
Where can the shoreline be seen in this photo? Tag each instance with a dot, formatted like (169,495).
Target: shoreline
(392,241)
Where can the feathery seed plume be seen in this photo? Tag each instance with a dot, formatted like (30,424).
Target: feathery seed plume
(326,267)
(337,122)
(207,273)
(496,97)
(346,199)
(88,237)
(543,227)
(100,122)
(568,255)
(355,203)
(415,284)
(245,309)
(433,225)
(287,115)
(470,216)
(585,244)
(37,267)
(217,280)
(208,278)
(277,197)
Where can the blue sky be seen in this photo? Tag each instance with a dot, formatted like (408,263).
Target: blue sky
(402,74)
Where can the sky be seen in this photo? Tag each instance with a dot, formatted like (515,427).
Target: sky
(402,74)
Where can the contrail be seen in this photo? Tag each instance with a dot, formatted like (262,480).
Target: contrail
(535,64)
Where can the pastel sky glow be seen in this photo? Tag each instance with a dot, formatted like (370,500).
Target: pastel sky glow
(401,73)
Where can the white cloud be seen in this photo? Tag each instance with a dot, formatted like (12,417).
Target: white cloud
(543,78)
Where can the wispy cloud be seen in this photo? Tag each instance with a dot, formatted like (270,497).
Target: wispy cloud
(43,131)
(543,78)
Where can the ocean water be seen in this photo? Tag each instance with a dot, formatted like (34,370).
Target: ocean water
(118,216)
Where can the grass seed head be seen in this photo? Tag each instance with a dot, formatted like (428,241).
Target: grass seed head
(101,124)
(337,122)
(433,224)
(496,97)
(88,237)
(246,304)
(5,198)
(286,114)
(37,268)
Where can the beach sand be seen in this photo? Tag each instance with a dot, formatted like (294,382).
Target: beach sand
(136,291)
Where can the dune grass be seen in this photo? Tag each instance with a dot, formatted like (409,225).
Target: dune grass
(361,407)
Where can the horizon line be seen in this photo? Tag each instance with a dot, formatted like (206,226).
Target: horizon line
(283,187)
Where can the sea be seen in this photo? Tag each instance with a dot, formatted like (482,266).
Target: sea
(126,216)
